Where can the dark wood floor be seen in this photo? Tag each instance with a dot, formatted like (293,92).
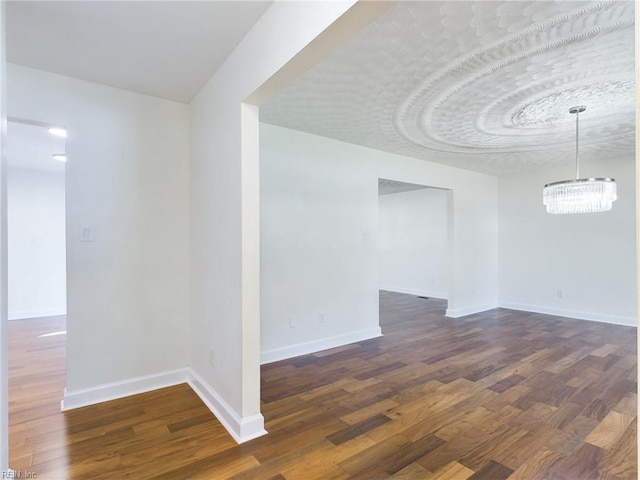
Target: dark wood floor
(497,395)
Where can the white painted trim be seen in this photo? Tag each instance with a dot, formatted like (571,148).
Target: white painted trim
(269,356)
(558,312)
(415,291)
(242,429)
(463,312)
(123,388)
(46,312)
(4,363)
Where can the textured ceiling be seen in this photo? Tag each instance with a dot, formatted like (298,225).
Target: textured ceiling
(485,86)
(167,49)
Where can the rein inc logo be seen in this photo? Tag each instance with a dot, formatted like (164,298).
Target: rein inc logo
(19,474)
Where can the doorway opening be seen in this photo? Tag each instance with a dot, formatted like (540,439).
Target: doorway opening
(414,242)
(35,221)
(36,269)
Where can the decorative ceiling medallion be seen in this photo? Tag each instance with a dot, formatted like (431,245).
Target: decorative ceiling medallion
(460,108)
(479,85)
(549,110)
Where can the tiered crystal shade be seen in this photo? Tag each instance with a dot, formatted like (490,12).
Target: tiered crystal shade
(586,195)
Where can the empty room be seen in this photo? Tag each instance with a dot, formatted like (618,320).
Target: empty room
(322,240)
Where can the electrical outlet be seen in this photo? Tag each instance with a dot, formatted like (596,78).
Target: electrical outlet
(560,293)
(88,233)
(321,318)
(212,357)
(292,322)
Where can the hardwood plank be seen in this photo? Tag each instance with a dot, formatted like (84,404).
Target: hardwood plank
(496,446)
(375,372)
(369,411)
(302,469)
(521,451)
(539,465)
(451,471)
(496,394)
(369,461)
(597,409)
(506,383)
(583,463)
(453,450)
(628,405)
(607,433)
(226,461)
(572,435)
(492,471)
(357,429)
(412,471)
(563,415)
(622,459)
(279,464)
(411,453)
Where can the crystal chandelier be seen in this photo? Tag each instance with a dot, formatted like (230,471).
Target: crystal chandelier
(582,195)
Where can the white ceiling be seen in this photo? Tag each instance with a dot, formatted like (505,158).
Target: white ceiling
(481,85)
(32,147)
(167,49)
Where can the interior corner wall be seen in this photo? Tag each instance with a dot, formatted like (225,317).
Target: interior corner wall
(36,243)
(127,177)
(225,340)
(580,266)
(413,243)
(319,224)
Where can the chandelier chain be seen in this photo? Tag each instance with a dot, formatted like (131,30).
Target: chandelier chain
(577,159)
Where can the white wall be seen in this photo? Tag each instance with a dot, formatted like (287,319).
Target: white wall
(318,245)
(320,233)
(225,346)
(590,258)
(36,243)
(413,246)
(128,177)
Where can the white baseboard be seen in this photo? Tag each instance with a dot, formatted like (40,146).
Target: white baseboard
(416,292)
(282,353)
(124,388)
(43,312)
(242,429)
(594,317)
(463,312)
